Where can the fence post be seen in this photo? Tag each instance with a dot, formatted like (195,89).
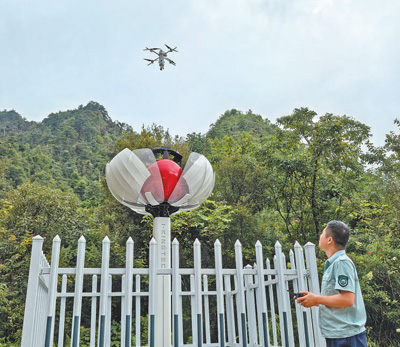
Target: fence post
(302,286)
(241,308)
(207,328)
(282,295)
(93,313)
(52,294)
(311,261)
(175,292)
(303,335)
(197,291)
(105,263)
(80,262)
(272,302)
(220,292)
(251,307)
(261,296)
(62,312)
(128,292)
(152,290)
(32,290)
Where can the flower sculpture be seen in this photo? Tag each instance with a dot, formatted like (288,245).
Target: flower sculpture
(159,187)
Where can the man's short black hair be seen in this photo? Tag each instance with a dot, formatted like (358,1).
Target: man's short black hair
(340,233)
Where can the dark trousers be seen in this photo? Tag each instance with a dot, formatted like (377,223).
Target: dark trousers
(359,340)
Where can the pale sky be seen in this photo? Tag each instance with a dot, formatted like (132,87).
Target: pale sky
(270,56)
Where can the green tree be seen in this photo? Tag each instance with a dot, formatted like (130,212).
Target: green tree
(313,167)
(235,122)
(28,211)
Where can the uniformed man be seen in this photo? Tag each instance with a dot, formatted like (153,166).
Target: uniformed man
(341,307)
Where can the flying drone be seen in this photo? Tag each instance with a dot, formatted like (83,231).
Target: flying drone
(161,56)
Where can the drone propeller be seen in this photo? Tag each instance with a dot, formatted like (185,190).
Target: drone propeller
(150,60)
(150,49)
(170,61)
(171,49)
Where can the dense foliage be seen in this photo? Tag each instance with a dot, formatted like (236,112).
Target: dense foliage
(280,181)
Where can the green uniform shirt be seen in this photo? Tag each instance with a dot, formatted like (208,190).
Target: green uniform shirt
(340,322)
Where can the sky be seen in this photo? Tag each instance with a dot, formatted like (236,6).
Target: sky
(268,56)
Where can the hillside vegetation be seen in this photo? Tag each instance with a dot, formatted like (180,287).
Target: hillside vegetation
(274,182)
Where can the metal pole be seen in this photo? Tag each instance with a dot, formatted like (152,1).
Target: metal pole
(31,295)
(162,235)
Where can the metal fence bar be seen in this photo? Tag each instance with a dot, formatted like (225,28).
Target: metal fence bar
(76,316)
(93,312)
(52,296)
(180,322)
(138,336)
(298,308)
(272,305)
(302,286)
(206,310)
(152,291)
(251,308)
(283,305)
(41,306)
(108,313)
(105,261)
(220,293)
(197,289)
(32,292)
(175,292)
(127,336)
(193,308)
(62,312)
(311,261)
(286,294)
(241,306)
(261,297)
(230,314)
(123,311)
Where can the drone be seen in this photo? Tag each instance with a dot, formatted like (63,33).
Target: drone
(161,56)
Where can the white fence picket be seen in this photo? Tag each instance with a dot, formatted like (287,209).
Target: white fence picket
(271,281)
(250,308)
(62,311)
(76,315)
(137,313)
(206,310)
(302,286)
(105,262)
(175,292)
(230,313)
(311,261)
(52,295)
(261,298)
(93,312)
(220,293)
(127,333)
(198,294)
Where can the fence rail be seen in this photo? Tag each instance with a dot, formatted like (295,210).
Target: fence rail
(242,306)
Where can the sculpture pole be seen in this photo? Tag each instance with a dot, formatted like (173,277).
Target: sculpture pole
(162,234)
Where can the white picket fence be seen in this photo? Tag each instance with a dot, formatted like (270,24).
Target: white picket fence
(242,306)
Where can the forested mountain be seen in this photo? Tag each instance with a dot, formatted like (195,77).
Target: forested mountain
(274,182)
(67,150)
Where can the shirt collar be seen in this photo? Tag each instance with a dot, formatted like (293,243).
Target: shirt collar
(337,254)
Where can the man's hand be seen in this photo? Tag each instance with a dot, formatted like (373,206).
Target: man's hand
(343,299)
(308,300)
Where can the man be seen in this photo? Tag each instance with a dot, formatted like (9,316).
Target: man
(341,312)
